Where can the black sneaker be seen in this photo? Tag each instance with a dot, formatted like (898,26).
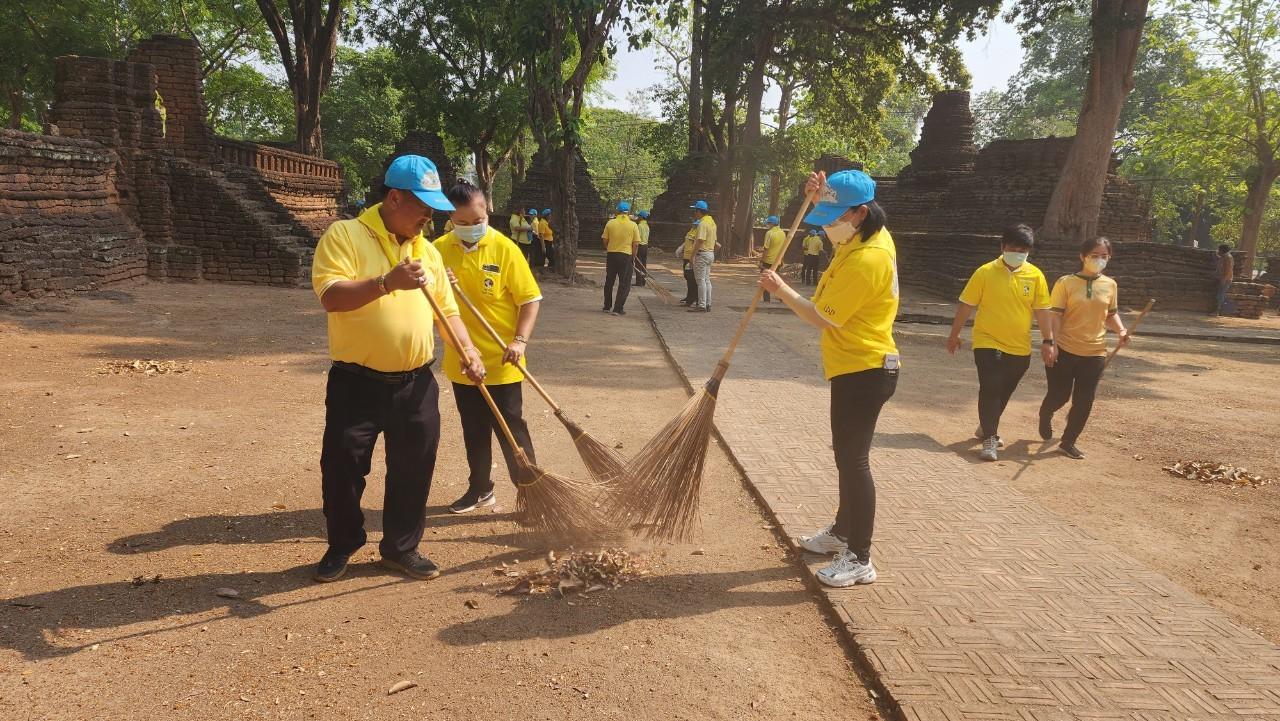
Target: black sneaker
(606,309)
(332,567)
(412,564)
(695,309)
(1070,450)
(1046,427)
(472,500)
(686,302)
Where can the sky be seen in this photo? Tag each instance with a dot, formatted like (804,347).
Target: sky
(992,58)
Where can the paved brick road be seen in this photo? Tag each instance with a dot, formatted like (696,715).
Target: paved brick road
(988,606)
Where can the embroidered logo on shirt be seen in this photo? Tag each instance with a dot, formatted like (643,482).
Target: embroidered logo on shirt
(430,180)
(490,268)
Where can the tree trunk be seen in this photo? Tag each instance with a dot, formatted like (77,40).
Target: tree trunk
(1076,202)
(15,108)
(564,199)
(775,177)
(1255,207)
(1193,230)
(747,147)
(306,114)
(307,42)
(695,78)
(725,187)
(485,173)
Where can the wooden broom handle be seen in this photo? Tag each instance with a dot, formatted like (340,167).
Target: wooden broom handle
(451,339)
(1132,329)
(493,333)
(723,366)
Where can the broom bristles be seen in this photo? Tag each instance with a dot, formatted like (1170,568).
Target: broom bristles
(560,507)
(661,501)
(663,294)
(602,463)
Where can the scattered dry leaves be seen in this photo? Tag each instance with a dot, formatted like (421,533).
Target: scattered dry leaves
(144,367)
(580,572)
(1208,472)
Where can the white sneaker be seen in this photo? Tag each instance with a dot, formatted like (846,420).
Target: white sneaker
(978,434)
(989,446)
(823,542)
(846,570)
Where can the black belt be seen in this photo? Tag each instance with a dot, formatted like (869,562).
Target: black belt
(389,378)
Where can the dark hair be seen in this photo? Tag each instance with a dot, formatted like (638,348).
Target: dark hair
(1089,246)
(1018,236)
(462,193)
(1224,248)
(874,222)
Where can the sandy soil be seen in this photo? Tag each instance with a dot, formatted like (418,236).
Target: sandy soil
(208,479)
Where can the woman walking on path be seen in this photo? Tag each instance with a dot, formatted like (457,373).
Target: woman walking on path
(854,307)
(1084,305)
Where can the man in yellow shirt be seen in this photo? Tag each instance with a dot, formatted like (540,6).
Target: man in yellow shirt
(621,237)
(704,255)
(521,229)
(642,250)
(1007,292)
(491,273)
(773,240)
(547,237)
(812,257)
(690,283)
(369,273)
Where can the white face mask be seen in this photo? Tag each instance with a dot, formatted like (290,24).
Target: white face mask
(471,234)
(1094,266)
(840,231)
(1014,260)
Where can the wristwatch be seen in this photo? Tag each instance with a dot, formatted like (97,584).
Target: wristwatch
(382,284)
(1048,341)
(520,339)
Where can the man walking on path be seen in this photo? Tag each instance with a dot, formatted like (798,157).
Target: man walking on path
(812,257)
(621,238)
(773,240)
(642,257)
(1006,292)
(368,273)
(1226,276)
(704,255)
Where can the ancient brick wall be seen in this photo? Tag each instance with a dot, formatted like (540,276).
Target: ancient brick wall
(62,226)
(670,216)
(535,192)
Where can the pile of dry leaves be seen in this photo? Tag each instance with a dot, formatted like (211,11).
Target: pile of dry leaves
(145,367)
(1207,472)
(580,572)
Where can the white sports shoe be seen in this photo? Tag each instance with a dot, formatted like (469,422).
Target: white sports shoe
(846,570)
(823,542)
(978,434)
(989,446)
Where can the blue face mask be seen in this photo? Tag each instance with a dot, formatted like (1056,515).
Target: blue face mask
(471,234)
(1014,260)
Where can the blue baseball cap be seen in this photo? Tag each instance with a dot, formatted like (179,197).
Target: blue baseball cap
(624,206)
(771,220)
(700,205)
(813,231)
(643,214)
(546,211)
(419,176)
(843,190)
(532,211)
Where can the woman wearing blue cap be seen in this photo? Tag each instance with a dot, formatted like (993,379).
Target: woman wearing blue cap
(854,307)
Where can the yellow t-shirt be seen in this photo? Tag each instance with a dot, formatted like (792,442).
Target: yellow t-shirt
(1005,300)
(520,227)
(392,333)
(619,234)
(858,292)
(1084,305)
(773,240)
(812,245)
(643,227)
(690,239)
(544,231)
(707,234)
(496,278)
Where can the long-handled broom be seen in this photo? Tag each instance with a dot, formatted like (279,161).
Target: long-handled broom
(663,294)
(559,506)
(662,499)
(1132,329)
(603,464)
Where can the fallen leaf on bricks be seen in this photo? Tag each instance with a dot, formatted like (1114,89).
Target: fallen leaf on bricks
(401,686)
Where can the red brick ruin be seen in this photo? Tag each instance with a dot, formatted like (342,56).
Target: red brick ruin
(117,191)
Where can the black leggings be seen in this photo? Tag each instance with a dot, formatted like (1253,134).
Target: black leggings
(1073,377)
(856,400)
(690,283)
(642,263)
(479,427)
(998,376)
(809,270)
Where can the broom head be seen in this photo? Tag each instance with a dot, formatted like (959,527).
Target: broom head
(663,294)
(562,508)
(661,499)
(602,463)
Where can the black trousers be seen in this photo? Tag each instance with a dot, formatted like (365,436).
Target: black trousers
(809,270)
(1073,377)
(549,250)
(536,255)
(856,400)
(526,249)
(690,284)
(479,427)
(998,376)
(642,260)
(617,268)
(357,409)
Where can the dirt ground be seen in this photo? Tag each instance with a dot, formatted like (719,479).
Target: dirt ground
(1162,400)
(208,479)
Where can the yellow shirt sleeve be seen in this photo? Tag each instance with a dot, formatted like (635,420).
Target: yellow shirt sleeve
(1115,301)
(704,231)
(440,288)
(1058,299)
(1041,301)
(972,293)
(870,278)
(334,260)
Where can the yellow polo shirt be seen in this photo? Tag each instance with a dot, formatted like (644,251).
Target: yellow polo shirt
(858,292)
(496,278)
(392,333)
(520,227)
(773,240)
(544,231)
(643,227)
(690,239)
(1005,300)
(812,245)
(619,234)
(707,234)
(1084,305)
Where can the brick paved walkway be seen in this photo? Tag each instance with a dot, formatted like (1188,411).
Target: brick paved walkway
(988,606)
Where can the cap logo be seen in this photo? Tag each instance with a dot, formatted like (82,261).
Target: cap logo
(827,194)
(430,180)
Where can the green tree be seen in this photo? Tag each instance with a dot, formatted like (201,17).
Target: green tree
(306,37)
(363,115)
(245,104)
(621,166)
